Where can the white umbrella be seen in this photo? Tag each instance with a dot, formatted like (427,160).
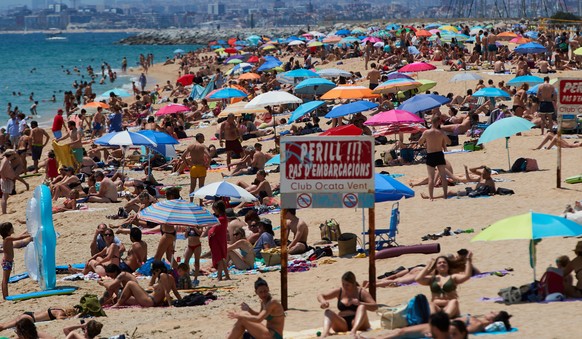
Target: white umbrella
(465,76)
(333,73)
(273,98)
(223,189)
(296,42)
(125,139)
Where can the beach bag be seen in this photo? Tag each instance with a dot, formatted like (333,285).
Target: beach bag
(504,191)
(529,292)
(510,295)
(330,230)
(393,317)
(418,310)
(531,165)
(551,282)
(519,165)
(89,306)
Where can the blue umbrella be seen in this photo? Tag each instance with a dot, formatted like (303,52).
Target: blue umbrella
(525,79)
(413,50)
(159,138)
(294,75)
(505,128)
(534,90)
(124,138)
(179,51)
(275,160)
(177,212)
(228,93)
(268,65)
(343,32)
(222,42)
(531,34)
(423,102)
(398,75)
(492,92)
(530,48)
(351,108)
(389,189)
(304,109)
(314,86)
(392,27)
(431,26)
(120,92)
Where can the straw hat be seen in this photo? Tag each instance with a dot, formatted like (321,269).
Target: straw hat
(578,247)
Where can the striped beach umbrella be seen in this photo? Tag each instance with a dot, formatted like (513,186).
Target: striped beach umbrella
(178,212)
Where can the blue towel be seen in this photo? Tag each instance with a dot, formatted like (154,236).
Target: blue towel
(17,277)
(496,333)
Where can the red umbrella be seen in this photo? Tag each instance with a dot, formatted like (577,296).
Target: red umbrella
(417,67)
(172,109)
(253,59)
(231,50)
(212,43)
(348,130)
(231,41)
(186,79)
(423,34)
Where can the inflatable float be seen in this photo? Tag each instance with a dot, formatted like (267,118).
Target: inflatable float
(574,179)
(40,254)
(400,250)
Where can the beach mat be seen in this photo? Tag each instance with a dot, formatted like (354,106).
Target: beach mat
(40,294)
(513,330)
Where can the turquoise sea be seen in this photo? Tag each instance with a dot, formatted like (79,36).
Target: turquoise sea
(31,63)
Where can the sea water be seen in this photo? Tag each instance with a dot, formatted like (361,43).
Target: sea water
(29,63)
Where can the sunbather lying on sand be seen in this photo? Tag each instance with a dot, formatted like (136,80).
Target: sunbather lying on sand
(555,141)
(485,186)
(52,313)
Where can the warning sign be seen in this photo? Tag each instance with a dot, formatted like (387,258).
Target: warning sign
(569,96)
(304,200)
(350,200)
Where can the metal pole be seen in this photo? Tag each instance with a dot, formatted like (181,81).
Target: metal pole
(284,236)
(507,148)
(559,157)
(372,251)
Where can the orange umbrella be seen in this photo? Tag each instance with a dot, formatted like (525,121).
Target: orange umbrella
(520,40)
(332,39)
(507,35)
(423,33)
(97,104)
(249,76)
(231,41)
(349,92)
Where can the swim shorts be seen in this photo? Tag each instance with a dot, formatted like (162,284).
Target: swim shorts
(435,159)
(36,151)
(97,126)
(546,107)
(6,185)
(233,146)
(492,48)
(7,265)
(58,134)
(78,154)
(125,267)
(198,171)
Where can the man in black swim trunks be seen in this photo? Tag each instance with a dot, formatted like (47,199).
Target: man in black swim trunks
(547,97)
(436,142)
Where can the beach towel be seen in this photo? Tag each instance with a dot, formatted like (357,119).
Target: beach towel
(513,330)
(457,151)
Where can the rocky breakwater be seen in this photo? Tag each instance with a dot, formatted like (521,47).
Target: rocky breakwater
(203,36)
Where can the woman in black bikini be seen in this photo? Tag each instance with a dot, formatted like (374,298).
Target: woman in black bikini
(52,313)
(443,284)
(168,239)
(352,302)
(194,248)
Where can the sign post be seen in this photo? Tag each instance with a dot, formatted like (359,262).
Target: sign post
(569,104)
(326,172)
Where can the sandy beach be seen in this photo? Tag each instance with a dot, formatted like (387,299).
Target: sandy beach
(535,191)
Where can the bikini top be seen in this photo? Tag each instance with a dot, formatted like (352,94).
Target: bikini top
(449,286)
(343,307)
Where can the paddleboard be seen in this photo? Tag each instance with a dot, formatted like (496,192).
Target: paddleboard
(40,294)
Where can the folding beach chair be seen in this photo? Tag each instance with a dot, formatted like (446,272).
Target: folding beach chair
(386,237)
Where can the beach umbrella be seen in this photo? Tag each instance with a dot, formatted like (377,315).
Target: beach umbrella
(381,34)
(531,34)
(240,68)
(465,76)
(413,50)
(227,93)
(160,138)
(275,160)
(239,109)
(530,48)
(296,75)
(349,40)
(387,188)
(534,90)
(351,108)
(417,67)
(333,73)
(304,109)
(396,85)
(120,92)
(179,51)
(223,189)
(234,61)
(349,92)
(269,65)
(394,116)
(273,98)
(332,39)
(492,92)
(398,128)
(344,130)
(392,27)
(371,39)
(426,85)
(505,128)
(530,226)
(172,109)
(449,28)
(296,43)
(431,26)
(268,47)
(423,33)
(313,86)
(177,212)
(186,79)
(249,76)
(314,44)
(124,138)
(358,30)
(507,36)
(96,104)
(520,40)
(253,59)
(231,50)
(423,102)
(525,79)
(398,75)
(342,32)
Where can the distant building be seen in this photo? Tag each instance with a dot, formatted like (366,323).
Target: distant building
(216,8)
(39,4)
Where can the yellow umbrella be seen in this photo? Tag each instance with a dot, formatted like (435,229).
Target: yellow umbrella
(268,47)
(578,51)
(449,28)
(239,109)
(315,44)
(218,50)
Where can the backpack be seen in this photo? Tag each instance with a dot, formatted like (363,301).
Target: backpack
(418,310)
(519,165)
(551,282)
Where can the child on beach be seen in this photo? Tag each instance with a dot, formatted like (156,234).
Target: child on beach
(194,247)
(184,281)
(7,231)
(51,166)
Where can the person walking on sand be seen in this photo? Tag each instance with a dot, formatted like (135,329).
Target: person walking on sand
(546,97)
(58,123)
(229,131)
(7,177)
(39,138)
(197,159)
(436,142)
(142,82)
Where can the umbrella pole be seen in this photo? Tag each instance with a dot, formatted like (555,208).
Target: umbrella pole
(364,231)
(507,148)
